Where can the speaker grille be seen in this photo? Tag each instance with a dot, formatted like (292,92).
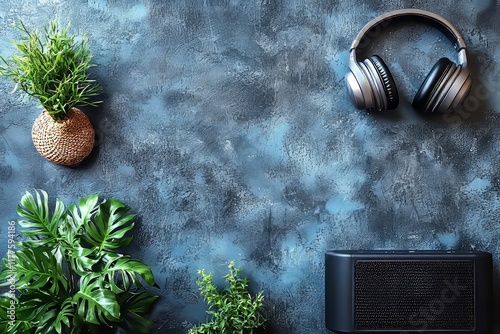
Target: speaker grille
(414,295)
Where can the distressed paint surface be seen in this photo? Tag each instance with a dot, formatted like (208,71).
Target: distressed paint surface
(227,129)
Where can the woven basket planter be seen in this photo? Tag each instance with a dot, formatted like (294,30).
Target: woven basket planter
(66,142)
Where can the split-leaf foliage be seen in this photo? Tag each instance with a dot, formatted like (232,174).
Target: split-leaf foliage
(68,275)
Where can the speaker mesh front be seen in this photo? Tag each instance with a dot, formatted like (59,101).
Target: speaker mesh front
(414,295)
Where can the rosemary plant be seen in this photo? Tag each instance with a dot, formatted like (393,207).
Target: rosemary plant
(233,310)
(52,68)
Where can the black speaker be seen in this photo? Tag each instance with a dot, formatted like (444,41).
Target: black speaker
(445,292)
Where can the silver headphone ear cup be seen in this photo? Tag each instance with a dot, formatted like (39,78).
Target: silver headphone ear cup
(454,92)
(435,103)
(354,91)
(379,101)
(382,84)
(427,95)
(444,89)
(462,86)
(370,85)
(359,88)
(387,86)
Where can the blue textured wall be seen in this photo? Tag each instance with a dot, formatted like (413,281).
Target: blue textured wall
(227,129)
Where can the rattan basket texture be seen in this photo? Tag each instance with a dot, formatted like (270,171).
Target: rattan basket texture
(66,142)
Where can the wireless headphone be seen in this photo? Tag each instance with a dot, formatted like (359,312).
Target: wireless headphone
(371,86)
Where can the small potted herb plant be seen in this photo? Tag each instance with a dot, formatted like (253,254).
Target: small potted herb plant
(233,310)
(67,276)
(53,68)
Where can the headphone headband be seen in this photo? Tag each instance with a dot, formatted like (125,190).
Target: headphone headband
(433,19)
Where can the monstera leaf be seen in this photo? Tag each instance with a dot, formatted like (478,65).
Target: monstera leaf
(95,304)
(133,305)
(107,230)
(9,322)
(82,213)
(39,226)
(64,316)
(37,307)
(68,274)
(82,258)
(39,269)
(123,272)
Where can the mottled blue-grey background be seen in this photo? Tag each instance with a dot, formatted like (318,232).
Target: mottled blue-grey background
(226,127)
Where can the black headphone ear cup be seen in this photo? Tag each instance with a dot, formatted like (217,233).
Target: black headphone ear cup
(431,84)
(390,90)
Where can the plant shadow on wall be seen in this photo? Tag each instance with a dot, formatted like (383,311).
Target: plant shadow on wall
(67,272)
(53,68)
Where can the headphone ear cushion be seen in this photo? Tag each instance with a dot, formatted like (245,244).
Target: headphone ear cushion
(390,89)
(431,84)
